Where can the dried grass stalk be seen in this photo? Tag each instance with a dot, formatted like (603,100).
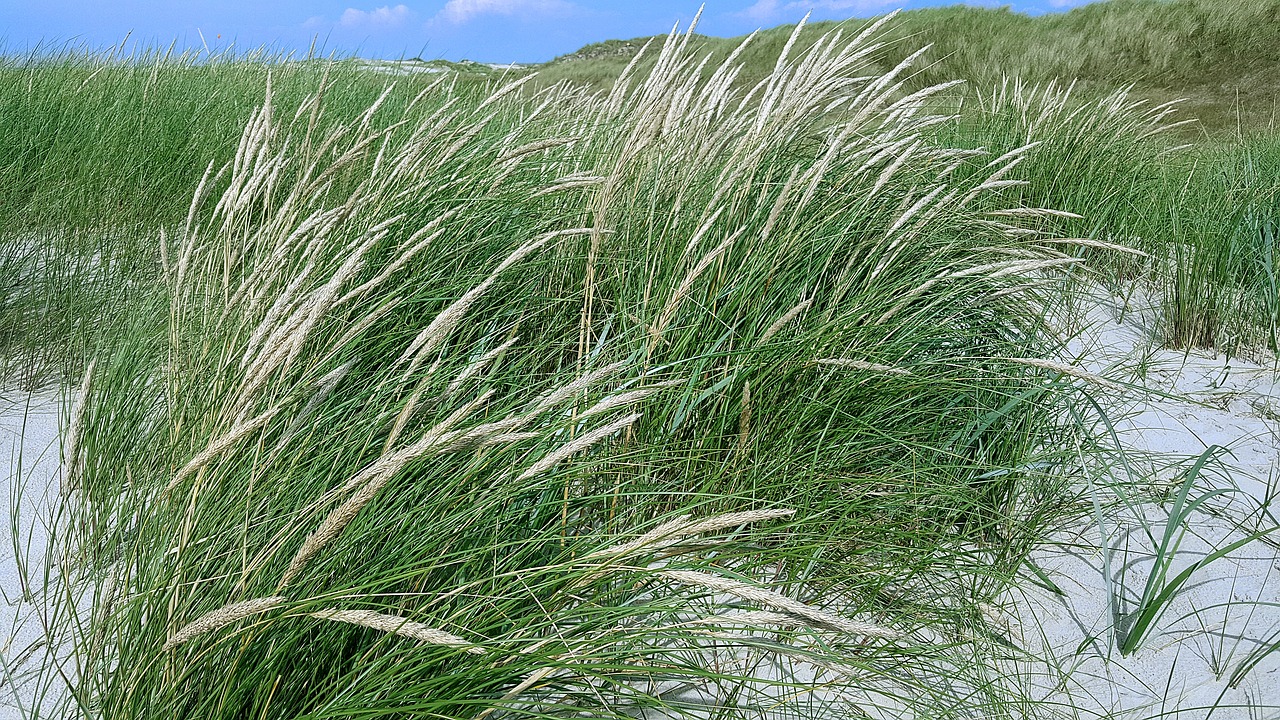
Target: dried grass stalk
(564,392)
(626,398)
(992,270)
(669,310)
(71,450)
(673,531)
(862,365)
(787,317)
(324,387)
(533,147)
(416,243)
(478,366)
(752,619)
(223,617)
(529,681)
(233,436)
(582,181)
(1099,244)
(577,445)
(1071,371)
(815,616)
(702,230)
(369,481)
(406,413)
(397,625)
(439,328)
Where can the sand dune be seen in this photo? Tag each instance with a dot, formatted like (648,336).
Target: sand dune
(1181,403)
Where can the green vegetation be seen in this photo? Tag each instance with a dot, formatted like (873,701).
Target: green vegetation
(105,142)
(1206,214)
(1219,56)
(1159,589)
(725,390)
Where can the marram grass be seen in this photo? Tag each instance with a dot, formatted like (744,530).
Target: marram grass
(682,397)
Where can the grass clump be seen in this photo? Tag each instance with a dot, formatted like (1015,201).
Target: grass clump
(1222,290)
(1195,222)
(677,397)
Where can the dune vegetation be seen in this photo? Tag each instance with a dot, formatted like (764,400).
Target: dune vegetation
(706,387)
(1217,57)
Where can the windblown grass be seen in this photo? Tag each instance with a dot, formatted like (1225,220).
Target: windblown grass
(439,381)
(1221,218)
(728,389)
(1195,221)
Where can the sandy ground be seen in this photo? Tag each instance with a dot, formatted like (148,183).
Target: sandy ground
(1228,612)
(29,426)
(1181,404)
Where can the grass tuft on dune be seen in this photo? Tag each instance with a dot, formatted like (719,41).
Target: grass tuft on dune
(436,383)
(727,387)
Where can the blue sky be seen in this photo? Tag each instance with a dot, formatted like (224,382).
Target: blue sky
(483,30)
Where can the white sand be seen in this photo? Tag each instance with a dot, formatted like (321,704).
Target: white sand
(1182,667)
(29,426)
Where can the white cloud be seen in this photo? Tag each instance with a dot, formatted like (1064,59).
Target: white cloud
(1064,4)
(770,10)
(378,18)
(761,11)
(461,11)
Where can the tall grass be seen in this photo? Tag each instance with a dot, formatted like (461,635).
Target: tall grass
(679,396)
(1109,92)
(92,143)
(1222,249)
(1198,220)
(1100,159)
(90,139)
(99,152)
(1217,54)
